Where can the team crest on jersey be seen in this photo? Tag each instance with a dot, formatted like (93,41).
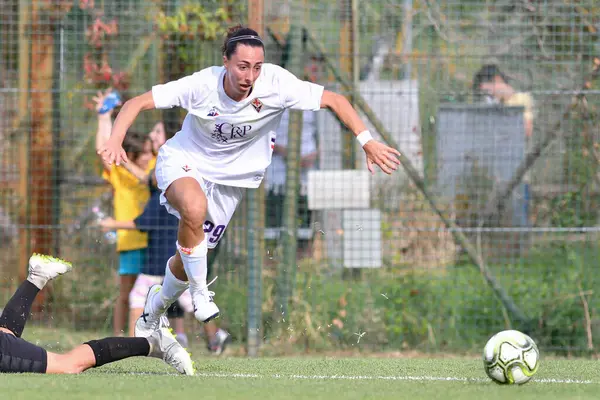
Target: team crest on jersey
(213,112)
(257,104)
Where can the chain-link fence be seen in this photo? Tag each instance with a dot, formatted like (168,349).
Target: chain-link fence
(490,223)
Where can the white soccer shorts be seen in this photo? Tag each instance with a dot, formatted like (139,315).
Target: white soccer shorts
(173,164)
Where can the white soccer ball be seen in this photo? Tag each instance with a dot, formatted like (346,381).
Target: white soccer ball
(511,357)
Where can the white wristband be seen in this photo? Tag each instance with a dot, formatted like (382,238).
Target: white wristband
(364,137)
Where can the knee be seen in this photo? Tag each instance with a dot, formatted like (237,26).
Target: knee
(188,198)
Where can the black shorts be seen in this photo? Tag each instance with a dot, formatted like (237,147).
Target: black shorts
(18,355)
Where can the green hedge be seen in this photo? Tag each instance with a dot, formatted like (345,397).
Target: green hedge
(441,310)
(450,310)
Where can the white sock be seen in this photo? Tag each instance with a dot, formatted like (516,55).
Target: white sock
(171,289)
(195,262)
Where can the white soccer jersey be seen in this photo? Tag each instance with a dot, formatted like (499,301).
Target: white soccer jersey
(232,142)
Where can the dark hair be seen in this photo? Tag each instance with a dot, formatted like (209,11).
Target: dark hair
(169,133)
(486,74)
(246,36)
(133,144)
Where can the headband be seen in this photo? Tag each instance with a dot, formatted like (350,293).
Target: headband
(245,37)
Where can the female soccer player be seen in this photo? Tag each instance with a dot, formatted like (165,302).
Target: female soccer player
(19,355)
(224,146)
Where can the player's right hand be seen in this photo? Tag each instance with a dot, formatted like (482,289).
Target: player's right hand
(113,152)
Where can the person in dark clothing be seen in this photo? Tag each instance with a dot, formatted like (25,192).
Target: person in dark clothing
(20,356)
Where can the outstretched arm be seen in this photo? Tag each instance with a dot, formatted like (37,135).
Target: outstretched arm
(112,150)
(129,113)
(344,110)
(377,153)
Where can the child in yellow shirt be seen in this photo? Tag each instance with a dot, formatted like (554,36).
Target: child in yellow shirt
(130,197)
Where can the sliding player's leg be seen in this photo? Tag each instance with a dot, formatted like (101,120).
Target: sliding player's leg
(95,353)
(41,270)
(19,355)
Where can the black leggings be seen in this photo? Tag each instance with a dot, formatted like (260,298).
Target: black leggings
(18,355)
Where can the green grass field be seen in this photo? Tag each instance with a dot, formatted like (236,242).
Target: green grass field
(307,378)
(358,376)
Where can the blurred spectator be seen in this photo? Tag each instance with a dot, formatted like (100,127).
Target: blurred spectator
(491,83)
(276,173)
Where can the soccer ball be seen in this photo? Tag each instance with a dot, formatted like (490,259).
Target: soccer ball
(511,357)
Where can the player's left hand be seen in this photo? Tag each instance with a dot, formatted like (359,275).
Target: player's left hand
(382,155)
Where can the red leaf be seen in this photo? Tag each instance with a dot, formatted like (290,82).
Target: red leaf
(98,31)
(112,28)
(120,81)
(88,66)
(105,71)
